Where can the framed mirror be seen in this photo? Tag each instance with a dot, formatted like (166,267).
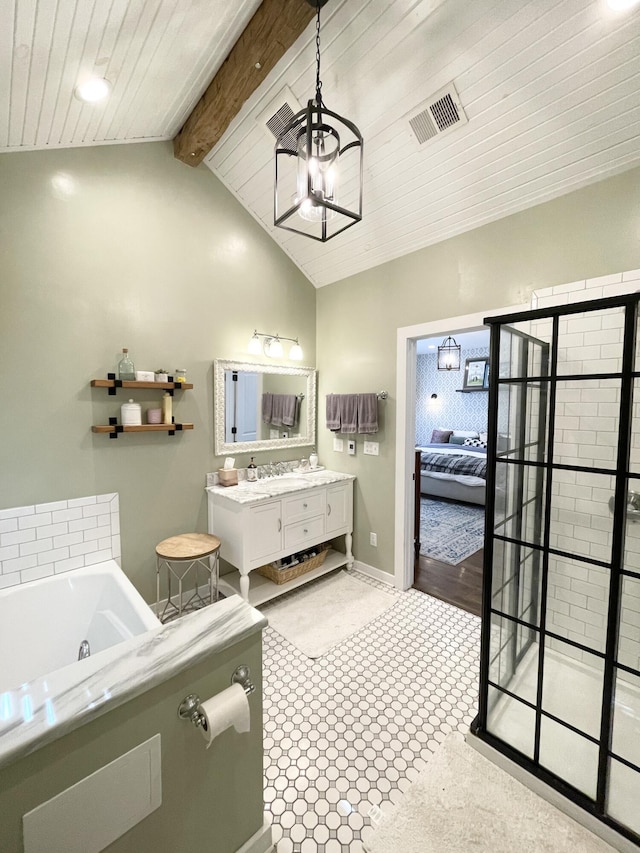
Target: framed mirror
(263,406)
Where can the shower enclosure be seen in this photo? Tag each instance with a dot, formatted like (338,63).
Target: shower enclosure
(560,658)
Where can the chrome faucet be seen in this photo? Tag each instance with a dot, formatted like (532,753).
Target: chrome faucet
(281,468)
(84,651)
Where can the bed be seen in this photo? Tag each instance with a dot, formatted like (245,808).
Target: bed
(453,471)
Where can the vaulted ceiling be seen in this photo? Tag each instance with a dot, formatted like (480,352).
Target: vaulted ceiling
(551,90)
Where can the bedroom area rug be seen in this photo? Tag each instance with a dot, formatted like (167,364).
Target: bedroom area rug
(450,532)
(316,617)
(462,802)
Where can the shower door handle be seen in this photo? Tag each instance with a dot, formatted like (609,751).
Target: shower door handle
(632,508)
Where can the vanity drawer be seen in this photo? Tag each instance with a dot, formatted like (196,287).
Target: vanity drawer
(302,533)
(307,505)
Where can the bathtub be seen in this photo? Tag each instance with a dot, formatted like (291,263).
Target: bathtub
(43,623)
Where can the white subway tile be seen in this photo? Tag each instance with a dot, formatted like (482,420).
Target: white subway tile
(69,565)
(36,547)
(19,564)
(17,512)
(104,520)
(9,551)
(34,520)
(106,498)
(620,289)
(586,323)
(8,525)
(596,451)
(582,614)
(50,507)
(115,503)
(18,537)
(82,548)
(36,574)
(68,539)
(53,529)
(115,547)
(613,320)
(95,509)
(98,557)
(115,523)
(53,556)
(550,301)
(66,515)
(82,524)
(572,597)
(631,275)
(573,286)
(592,293)
(590,590)
(94,533)
(9,580)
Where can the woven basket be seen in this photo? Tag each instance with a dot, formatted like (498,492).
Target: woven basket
(280,576)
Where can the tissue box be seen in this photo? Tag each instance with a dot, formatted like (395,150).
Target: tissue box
(145,376)
(228,476)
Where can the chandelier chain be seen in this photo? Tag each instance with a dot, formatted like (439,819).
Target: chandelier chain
(318,80)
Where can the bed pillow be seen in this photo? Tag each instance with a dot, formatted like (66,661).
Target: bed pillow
(441,436)
(466,433)
(484,436)
(475,442)
(457,439)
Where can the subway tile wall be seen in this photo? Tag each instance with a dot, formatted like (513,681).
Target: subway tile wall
(45,539)
(586,434)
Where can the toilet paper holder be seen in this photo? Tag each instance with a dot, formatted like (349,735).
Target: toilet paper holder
(189,708)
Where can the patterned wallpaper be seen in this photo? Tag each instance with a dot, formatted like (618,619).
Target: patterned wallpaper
(451,410)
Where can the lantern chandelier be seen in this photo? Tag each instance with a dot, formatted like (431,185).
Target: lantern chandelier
(318,160)
(449,354)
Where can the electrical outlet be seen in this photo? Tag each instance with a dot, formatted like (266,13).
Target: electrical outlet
(372,448)
(373,539)
(351,447)
(338,444)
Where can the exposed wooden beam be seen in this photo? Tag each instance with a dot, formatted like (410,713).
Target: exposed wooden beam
(266,38)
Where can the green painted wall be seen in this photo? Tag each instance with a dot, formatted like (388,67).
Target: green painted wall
(211,798)
(588,233)
(115,246)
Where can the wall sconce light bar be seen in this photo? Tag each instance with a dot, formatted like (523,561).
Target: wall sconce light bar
(271,345)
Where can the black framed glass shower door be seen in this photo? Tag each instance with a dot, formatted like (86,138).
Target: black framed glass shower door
(560,657)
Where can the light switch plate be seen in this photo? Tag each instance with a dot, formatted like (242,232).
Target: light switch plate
(351,447)
(372,448)
(338,444)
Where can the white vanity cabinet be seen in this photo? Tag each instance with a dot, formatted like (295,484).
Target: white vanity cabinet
(256,527)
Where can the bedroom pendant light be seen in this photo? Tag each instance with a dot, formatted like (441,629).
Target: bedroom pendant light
(449,355)
(318,167)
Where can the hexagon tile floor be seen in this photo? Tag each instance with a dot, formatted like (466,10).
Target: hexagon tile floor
(346,734)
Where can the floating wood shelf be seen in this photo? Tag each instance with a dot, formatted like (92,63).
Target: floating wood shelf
(115,428)
(126,383)
(470,390)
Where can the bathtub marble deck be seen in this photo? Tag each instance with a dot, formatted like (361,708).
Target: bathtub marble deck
(49,707)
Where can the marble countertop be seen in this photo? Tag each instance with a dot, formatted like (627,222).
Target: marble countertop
(249,492)
(53,705)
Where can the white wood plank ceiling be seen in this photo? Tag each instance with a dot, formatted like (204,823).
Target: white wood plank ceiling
(551,89)
(159,56)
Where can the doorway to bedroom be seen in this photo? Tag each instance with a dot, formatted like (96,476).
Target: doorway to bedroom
(451,394)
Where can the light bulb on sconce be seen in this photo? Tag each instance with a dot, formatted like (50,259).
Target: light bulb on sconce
(272,346)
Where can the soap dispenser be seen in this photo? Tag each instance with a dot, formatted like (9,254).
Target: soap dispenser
(252,471)
(313,459)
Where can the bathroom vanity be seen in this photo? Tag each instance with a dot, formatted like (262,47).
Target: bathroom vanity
(266,520)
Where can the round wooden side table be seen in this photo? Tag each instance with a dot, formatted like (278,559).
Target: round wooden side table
(182,554)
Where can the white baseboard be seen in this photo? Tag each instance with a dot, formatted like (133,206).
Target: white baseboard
(378,574)
(606,833)
(260,842)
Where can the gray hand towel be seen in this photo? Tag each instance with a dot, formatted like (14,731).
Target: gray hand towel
(333,411)
(267,407)
(277,410)
(289,406)
(349,413)
(367,413)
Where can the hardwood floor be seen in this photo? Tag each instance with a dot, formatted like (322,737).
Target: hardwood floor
(460,585)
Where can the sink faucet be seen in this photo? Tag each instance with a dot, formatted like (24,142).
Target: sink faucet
(280,468)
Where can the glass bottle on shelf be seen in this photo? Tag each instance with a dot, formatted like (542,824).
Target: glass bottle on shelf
(180,374)
(126,370)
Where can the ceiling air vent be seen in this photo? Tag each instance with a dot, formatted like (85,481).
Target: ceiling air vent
(278,114)
(440,114)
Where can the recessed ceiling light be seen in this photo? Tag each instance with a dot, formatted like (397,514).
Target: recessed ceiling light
(93,90)
(622,5)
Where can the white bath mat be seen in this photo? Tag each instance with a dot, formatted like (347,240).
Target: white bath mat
(319,616)
(463,802)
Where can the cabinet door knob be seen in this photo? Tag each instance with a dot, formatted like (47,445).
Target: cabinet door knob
(305,530)
(328,509)
(304,505)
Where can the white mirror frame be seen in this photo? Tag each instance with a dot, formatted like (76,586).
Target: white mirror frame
(223,447)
